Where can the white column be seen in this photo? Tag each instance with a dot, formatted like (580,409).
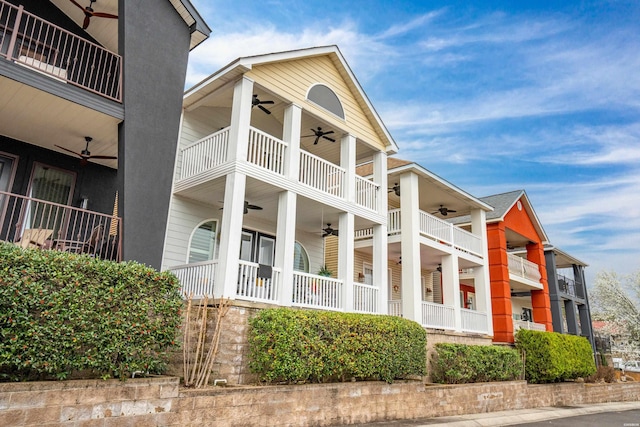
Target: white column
(410,246)
(240,119)
(482,281)
(380,245)
(291,135)
(451,287)
(348,163)
(285,241)
(345,257)
(230,234)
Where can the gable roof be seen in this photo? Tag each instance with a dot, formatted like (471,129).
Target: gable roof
(240,66)
(502,203)
(199,29)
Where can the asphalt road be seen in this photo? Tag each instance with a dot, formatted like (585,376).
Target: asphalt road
(615,414)
(609,419)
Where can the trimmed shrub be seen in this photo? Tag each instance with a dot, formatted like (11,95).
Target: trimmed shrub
(553,357)
(288,345)
(460,363)
(63,313)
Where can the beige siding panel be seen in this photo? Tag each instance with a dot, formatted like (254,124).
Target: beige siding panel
(331,254)
(292,79)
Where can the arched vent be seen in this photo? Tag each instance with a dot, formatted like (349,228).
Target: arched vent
(326,98)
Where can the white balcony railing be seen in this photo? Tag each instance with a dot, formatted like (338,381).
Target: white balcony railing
(524,268)
(365,298)
(437,316)
(321,174)
(204,154)
(474,321)
(196,278)
(393,221)
(367,193)
(395,308)
(253,287)
(310,290)
(523,324)
(266,151)
(433,228)
(42,46)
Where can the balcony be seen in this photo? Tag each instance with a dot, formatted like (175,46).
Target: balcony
(39,45)
(268,153)
(523,324)
(567,285)
(521,268)
(34,223)
(434,229)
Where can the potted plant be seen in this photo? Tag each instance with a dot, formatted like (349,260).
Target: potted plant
(324,271)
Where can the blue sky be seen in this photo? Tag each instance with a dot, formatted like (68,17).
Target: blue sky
(492,96)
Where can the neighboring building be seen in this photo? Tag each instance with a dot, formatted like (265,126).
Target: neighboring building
(519,289)
(437,273)
(120,82)
(568,294)
(266,168)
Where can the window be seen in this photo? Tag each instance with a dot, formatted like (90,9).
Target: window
(203,242)
(300,258)
(368,273)
(326,98)
(51,185)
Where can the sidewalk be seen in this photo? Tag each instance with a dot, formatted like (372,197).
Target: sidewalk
(506,418)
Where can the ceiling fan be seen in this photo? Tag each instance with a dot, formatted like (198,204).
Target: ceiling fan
(255,102)
(89,13)
(85,155)
(328,231)
(395,189)
(443,211)
(318,133)
(248,206)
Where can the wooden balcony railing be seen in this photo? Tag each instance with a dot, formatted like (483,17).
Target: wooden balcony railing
(395,308)
(204,154)
(253,287)
(474,321)
(34,223)
(266,151)
(322,175)
(313,291)
(42,46)
(367,193)
(365,298)
(524,268)
(196,279)
(523,324)
(433,228)
(438,316)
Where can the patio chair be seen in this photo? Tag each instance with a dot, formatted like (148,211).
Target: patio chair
(88,246)
(34,238)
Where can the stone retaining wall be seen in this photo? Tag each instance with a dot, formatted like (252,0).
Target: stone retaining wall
(159,401)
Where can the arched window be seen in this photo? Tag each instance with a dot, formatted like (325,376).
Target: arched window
(202,245)
(300,258)
(326,98)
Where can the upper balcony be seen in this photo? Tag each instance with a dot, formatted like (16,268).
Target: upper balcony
(267,153)
(435,229)
(524,272)
(32,42)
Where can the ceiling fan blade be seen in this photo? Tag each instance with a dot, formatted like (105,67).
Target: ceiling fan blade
(102,157)
(451,210)
(316,141)
(105,15)
(255,207)
(329,139)
(327,132)
(264,109)
(70,151)
(267,102)
(87,21)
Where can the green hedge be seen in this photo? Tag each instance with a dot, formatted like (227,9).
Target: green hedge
(63,313)
(553,357)
(460,363)
(288,345)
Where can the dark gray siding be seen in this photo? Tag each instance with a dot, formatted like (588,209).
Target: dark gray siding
(154,42)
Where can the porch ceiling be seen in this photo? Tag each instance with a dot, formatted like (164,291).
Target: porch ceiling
(105,30)
(429,257)
(37,117)
(312,216)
